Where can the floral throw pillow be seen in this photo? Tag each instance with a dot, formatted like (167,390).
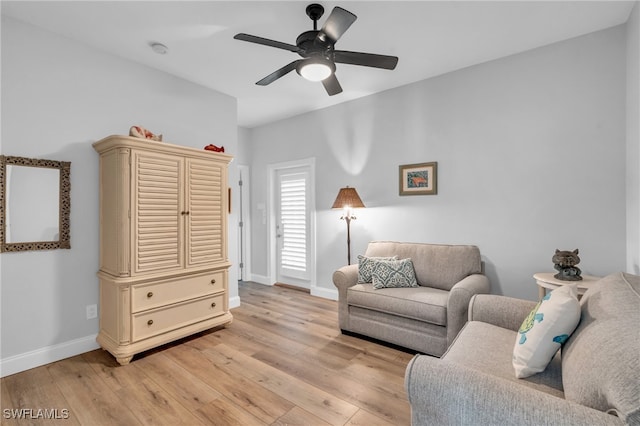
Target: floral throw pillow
(365,266)
(393,274)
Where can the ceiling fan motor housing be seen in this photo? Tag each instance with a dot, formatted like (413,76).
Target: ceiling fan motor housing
(309,45)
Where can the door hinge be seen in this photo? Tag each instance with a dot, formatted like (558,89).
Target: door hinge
(241,224)
(240,182)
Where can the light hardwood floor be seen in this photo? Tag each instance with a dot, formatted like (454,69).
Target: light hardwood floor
(283,361)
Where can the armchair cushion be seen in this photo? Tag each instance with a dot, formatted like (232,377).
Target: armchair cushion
(420,303)
(492,348)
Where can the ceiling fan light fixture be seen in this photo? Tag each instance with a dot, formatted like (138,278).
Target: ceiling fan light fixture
(316,69)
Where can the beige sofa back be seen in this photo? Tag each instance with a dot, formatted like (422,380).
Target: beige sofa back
(601,359)
(436,265)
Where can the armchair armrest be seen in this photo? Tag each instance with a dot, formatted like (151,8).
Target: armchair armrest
(343,278)
(502,311)
(458,303)
(442,392)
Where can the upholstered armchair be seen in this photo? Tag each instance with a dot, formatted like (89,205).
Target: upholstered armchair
(425,318)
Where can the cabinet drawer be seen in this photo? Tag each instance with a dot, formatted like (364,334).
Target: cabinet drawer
(151,323)
(149,296)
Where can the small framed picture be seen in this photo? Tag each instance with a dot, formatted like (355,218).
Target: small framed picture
(419,179)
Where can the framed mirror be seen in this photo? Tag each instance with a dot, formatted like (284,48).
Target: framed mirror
(36,204)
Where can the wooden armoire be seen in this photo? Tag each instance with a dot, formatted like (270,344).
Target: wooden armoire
(163,243)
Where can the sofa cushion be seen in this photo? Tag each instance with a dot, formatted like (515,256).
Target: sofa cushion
(393,274)
(601,361)
(488,348)
(436,265)
(365,266)
(545,329)
(420,303)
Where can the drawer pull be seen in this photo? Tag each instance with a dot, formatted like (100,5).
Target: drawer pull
(213,305)
(213,281)
(150,322)
(150,294)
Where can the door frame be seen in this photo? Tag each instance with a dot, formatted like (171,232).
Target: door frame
(245,244)
(272,170)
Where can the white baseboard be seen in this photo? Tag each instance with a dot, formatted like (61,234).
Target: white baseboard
(261,279)
(234,302)
(48,354)
(325,293)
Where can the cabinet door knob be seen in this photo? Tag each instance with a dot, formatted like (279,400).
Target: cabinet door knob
(150,322)
(213,305)
(150,294)
(213,281)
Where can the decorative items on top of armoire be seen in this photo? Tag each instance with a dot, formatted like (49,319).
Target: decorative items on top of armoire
(163,243)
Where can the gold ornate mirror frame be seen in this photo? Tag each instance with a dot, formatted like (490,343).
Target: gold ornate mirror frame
(64,240)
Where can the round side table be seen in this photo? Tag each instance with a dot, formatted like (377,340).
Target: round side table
(547,281)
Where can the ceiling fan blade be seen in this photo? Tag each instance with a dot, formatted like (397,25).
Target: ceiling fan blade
(279,73)
(266,42)
(331,85)
(336,24)
(365,59)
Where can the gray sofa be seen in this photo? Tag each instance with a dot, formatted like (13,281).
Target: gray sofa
(425,318)
(593,380)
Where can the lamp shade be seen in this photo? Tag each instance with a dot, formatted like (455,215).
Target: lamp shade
(347,198)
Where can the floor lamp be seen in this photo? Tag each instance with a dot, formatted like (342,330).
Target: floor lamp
(348,199)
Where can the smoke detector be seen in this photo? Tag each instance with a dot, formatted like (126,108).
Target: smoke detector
(159,48)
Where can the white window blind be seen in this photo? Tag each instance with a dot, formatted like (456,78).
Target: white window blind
(293,212)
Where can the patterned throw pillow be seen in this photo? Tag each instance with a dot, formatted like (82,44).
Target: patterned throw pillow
(545,329)
(365,266)
(393,273)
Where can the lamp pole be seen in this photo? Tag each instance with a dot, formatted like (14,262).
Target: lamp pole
(347,218)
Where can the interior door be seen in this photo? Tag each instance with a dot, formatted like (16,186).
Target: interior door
(293,227)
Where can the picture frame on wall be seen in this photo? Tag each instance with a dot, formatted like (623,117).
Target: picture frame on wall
(419,179)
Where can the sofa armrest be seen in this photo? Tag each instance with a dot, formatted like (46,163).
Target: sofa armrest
(458,303)
(442,392)
(343,278)
(502,311)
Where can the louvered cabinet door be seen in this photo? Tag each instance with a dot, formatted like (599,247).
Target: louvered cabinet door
(206,226)
(157,212)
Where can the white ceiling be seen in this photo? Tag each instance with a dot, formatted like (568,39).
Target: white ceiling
(429,37)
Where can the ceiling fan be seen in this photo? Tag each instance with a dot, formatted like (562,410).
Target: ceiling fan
(316,47)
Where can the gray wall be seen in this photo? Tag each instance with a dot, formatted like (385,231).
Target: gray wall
(633,141)
(530,151)
(58,97)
